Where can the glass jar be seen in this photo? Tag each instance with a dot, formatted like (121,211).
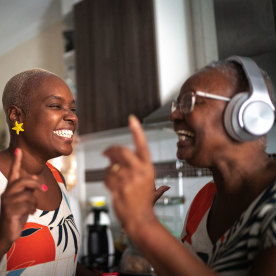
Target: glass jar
(134,263)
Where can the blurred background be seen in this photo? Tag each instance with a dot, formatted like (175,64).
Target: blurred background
(121,57)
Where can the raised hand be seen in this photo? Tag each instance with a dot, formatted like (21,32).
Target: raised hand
(130,177)
(17,202)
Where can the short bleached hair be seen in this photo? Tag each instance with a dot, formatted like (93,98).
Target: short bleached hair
(19,88)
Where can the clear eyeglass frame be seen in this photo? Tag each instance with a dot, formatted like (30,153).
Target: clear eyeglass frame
(188,100)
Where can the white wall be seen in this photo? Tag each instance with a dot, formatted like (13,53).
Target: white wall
(186,41)
(44,50)
(175,54)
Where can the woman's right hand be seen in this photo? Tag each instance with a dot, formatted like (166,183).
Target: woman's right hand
(132,184)
(17,202)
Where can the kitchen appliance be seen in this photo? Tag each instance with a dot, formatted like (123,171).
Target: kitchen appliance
(99,240)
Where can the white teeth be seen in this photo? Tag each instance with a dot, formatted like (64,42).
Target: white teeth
(64,133)
(183,132)
(182,137)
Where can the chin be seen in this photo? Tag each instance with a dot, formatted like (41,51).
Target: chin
(68,152)
(182,155)
(63,151)
(187,158)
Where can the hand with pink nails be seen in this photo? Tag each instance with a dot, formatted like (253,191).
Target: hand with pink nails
(17,202)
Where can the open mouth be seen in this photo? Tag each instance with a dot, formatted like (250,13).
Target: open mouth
(184,134)
(65,133)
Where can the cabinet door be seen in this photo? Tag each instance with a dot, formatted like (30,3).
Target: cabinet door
(115,62)
(245,28)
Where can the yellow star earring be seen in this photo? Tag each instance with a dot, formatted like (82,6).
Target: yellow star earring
(18,127)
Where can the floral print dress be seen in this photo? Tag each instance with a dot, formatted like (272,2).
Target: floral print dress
(49,242)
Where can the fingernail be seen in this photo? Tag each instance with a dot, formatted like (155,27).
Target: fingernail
(131,116)
(34,177)
(44,188)
(16,151)
(132,119)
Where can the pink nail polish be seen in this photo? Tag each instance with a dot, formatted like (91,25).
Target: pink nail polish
(16,151)
(44,188)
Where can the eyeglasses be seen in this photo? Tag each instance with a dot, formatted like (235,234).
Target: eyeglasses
(187,101)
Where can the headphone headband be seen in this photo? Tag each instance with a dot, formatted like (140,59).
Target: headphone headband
(256,83)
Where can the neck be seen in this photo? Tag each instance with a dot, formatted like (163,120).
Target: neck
(243,175)
(32,162)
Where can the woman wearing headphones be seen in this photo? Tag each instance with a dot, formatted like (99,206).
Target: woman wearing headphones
(230,228)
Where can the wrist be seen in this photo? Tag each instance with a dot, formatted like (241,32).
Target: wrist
(4,246)
(135,227)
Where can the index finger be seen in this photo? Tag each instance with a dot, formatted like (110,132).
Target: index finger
(139,139)
(16,165)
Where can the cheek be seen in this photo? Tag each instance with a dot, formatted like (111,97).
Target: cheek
(41,121)
(48,121)
(214,119)
(52,117)
(210,131)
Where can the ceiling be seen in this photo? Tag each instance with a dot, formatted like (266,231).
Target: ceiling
(22,19)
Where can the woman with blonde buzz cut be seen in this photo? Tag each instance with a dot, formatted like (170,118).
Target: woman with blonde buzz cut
(38,235)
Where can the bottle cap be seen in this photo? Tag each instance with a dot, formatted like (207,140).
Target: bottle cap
(97,201)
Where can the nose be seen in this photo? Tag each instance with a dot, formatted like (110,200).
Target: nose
(176,115)
(70,116)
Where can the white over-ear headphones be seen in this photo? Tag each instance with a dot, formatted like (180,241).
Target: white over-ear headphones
(249,115)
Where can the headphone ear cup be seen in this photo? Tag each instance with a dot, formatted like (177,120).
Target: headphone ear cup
(249,115)
(231,121)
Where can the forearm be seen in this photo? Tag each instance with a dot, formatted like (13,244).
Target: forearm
(165,253)
(5,245)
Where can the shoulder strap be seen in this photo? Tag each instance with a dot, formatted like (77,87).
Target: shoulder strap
(201,203)
(55,173)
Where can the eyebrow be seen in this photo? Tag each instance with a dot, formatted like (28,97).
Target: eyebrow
(57,98)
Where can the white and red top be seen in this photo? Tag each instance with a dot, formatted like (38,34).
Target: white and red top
(235,251)
(49,242)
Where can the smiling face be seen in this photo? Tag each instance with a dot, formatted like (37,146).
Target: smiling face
(201,134)
(51,121)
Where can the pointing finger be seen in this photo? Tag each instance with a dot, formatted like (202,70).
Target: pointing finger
(16,166)
(139,138)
